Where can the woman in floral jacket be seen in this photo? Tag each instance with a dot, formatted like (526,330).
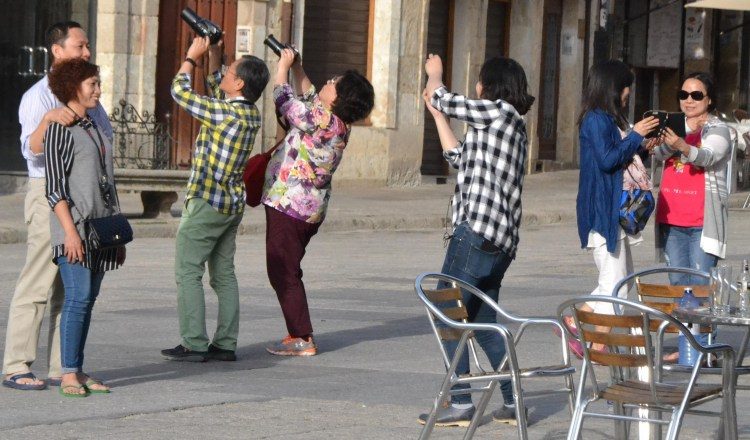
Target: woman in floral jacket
(298,183)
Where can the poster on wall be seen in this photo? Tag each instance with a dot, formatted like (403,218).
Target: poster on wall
(695,21)
(664,33)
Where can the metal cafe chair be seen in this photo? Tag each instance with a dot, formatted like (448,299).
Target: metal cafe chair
(647,293)
(666,297)
(448,318)
(630,346)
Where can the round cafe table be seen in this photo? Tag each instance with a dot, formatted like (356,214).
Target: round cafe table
(702,315)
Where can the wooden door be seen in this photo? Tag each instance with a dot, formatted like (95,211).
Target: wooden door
(24,59)
(547,124)
(439,41)
(175,37)
(336,38)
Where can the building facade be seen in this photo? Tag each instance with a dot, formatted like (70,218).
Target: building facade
(139,45)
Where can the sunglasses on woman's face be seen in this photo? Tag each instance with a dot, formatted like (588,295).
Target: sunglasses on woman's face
(696,95)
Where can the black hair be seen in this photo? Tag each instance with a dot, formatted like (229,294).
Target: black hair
(603,91)
(58,32)
(503,78)
(254,72)
(355,97)
(708,82)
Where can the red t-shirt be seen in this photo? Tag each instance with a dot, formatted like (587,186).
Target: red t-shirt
(683,190)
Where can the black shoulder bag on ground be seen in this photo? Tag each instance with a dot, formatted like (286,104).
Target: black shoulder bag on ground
(113,230)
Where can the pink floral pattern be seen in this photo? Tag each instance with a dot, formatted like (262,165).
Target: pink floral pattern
(298,177)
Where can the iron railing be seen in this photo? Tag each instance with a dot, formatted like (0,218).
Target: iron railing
(140,141)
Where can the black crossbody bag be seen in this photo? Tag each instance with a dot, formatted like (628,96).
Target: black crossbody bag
(113,230)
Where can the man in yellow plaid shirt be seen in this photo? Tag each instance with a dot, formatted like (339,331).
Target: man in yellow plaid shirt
(215,198)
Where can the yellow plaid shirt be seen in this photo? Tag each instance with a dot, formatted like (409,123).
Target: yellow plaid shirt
(223,145)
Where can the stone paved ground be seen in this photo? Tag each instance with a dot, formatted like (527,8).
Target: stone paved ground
(378,369)
(379,365)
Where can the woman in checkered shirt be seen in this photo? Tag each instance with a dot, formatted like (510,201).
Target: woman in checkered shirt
(486,202)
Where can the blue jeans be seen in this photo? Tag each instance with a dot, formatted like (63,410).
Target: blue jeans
(682,248)
(472,259)
(81,289)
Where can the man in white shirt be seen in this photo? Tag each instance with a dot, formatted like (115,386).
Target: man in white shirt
(39,283)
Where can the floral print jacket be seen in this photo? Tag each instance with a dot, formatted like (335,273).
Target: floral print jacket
(298,177)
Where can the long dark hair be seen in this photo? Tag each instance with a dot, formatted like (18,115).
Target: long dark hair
(504,78)
(603,91)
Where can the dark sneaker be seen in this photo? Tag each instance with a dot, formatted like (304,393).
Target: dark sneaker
(450,416)
(290,346)
(219,354)
(507,414)
(181,353)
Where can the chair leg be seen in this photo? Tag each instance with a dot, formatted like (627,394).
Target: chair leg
(479,411)
(620,428)
(571,392)
(520,407)
(430,422)
(574,433)
(675,423)
(657,428)
(729,417)
(428,426)
(442,396)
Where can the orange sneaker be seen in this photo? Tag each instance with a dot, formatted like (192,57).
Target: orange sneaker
(291,346)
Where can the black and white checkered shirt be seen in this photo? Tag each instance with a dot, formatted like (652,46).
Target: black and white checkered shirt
(490,163)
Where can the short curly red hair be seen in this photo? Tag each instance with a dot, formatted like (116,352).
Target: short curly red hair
(66,77)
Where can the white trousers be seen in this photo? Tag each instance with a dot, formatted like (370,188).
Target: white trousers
(613,266)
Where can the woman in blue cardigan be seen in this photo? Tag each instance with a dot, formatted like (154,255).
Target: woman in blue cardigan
(605,151)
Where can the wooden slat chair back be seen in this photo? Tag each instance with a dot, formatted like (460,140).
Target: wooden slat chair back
(666,297)
(634,360)
(618,337)
(456,310)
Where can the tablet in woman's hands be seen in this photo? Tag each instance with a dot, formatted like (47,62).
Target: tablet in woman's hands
(675,121)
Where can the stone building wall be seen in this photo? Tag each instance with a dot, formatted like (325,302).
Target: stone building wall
(388,149)
(571,80)
(126,40)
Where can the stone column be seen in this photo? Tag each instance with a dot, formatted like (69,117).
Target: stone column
(261,17)
(571,87)
(525,47)
(126,41)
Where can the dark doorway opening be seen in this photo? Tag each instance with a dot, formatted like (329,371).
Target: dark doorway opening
(24,60)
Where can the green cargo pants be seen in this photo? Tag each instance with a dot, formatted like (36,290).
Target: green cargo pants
(207,236)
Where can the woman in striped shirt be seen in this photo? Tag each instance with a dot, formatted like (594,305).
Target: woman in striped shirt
(78,162)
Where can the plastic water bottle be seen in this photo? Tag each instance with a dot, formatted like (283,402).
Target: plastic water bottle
(743,285)
(688,354)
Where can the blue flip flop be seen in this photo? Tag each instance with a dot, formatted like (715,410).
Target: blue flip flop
(12,382)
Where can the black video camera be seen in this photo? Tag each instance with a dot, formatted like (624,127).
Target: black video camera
(675,121)
(276,46)
(201,26)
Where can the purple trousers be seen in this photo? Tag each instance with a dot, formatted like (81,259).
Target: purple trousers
(286,240)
